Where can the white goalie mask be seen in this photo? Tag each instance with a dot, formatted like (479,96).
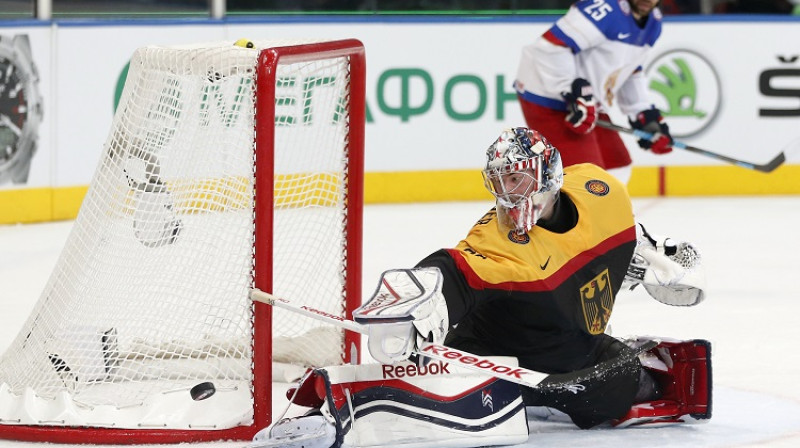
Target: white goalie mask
(524,173)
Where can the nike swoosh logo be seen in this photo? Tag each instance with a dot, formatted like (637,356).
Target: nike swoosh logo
(622,36)
(544,266)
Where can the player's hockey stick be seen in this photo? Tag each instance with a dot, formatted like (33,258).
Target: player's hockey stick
(762,167)
(518,375)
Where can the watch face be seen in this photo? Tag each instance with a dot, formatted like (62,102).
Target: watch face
(13,109)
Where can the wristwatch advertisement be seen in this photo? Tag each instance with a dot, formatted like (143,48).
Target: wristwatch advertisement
(20,108)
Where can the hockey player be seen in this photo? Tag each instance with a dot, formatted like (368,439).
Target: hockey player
(535,280)
(589,61)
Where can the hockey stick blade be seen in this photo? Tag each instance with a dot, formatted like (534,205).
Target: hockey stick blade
(761,167)
(518,375)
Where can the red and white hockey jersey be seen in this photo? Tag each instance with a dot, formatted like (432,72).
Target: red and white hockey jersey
(598,40)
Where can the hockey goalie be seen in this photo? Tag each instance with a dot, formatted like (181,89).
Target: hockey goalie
(533,284)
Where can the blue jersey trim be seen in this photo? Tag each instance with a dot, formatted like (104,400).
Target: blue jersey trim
(543,101)
(557,32)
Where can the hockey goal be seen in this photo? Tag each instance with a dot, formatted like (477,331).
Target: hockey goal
(226,167)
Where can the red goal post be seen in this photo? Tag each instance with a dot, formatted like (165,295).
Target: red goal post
(226,168)
(265,138)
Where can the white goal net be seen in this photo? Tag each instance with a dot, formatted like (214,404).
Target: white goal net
(225,168)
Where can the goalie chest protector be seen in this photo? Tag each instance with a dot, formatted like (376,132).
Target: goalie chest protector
(537,289)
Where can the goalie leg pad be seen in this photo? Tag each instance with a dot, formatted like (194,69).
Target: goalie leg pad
(415,406)
(683,372)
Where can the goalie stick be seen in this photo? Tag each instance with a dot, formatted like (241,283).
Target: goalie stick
(763,167)
(518,375)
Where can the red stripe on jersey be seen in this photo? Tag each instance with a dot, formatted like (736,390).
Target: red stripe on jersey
(554,280)
(550,37)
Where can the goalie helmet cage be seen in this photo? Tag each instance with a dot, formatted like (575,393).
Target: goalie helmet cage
(225,168)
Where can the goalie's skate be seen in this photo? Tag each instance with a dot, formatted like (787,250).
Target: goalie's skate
(301,432)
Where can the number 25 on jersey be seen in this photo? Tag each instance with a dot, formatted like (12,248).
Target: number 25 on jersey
(598,10)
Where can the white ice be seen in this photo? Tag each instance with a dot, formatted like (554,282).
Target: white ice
(751,315)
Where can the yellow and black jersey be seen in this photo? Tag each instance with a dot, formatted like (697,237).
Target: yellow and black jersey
(545,295)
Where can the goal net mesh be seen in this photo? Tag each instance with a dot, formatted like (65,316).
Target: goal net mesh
(150,293)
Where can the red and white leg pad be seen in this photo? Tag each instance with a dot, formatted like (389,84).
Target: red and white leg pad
(401,405)
(683,371)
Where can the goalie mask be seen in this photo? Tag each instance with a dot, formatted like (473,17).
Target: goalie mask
(524,173)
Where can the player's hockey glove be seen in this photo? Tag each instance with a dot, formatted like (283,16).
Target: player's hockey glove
(651,121)
(581,107)
(407,310)
(671,271)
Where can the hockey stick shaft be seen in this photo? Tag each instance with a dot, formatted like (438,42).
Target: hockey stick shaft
(762,167)
(477,363)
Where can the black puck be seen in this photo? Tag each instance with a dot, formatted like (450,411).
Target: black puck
(202,391)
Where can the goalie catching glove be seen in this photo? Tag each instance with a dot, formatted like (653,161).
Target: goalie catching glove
(669,270)
(407,310)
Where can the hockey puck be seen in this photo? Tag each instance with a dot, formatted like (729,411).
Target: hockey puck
(202,391)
